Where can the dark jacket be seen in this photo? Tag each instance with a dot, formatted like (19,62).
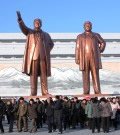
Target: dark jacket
(58,109)
(2,107)
(50,109)
(40,108)
(73,108)
(10,110)
(58,105)
(32,111)
(66,108)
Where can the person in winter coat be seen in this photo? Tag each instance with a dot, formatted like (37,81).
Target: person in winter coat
(58,108)
(73,113)
(96,114)
(106,112)
(66,113)
(22,115)
(88,112)
(32,114)
(82,113)
(10,112)
(2,111)
(39,113)
(115,106)
(49,109)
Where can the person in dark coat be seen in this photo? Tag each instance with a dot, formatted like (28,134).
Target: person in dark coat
(77,104)
(66,113)
(39,113)
(74,112)
(2,112)
(83,116)
(58,113)
(106,113)
(10,112)
(32,114)
(49,107)
(44,117)
(96,114)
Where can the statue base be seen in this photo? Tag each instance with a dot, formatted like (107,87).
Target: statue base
(79,96)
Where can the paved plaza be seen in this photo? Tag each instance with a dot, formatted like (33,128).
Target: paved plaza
(44,131)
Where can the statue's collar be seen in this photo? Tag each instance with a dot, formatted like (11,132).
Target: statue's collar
(38,31)
(91,34)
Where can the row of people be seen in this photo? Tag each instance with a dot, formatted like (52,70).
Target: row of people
(61,113)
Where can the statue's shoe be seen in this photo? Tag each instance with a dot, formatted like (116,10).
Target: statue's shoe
(47,95)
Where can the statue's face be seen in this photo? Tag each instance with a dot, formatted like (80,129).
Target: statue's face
(87,27)
(37,24)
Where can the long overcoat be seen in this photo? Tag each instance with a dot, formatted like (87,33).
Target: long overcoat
(30,48)
(98,46)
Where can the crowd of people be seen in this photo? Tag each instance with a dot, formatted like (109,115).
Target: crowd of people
(61,113)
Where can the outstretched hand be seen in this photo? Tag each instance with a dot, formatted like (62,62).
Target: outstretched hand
(18,15)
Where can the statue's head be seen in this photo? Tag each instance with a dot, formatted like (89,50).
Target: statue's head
(37,23)
(87,26)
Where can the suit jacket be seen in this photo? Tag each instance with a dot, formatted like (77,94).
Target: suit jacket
(30,48)
(98,46)
(22,109)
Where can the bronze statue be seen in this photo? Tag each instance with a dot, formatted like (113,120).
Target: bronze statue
(89,46)
(37,55)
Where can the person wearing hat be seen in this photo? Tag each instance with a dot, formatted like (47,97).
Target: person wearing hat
(66,113)
(22,115)
(58,113)
(10,112)
(89,46)
(49,108)
(37,55)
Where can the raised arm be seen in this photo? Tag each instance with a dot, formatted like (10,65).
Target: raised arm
(22,26)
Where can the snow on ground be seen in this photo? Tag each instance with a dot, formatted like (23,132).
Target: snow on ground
(67,81)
